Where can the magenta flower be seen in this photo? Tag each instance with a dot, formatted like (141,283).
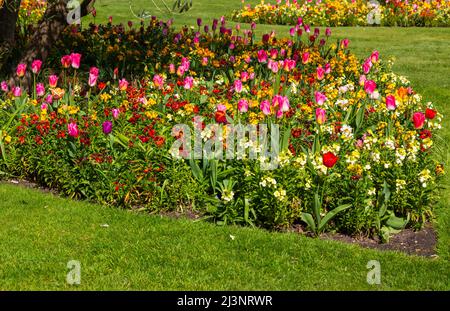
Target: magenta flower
(93,76)
(53,80)
(238,86)
(369,86)
(279,114)
(273,65)
(188,83)
(262,56)
(327,68)
(375,56)
(320,73)
(345,43)
(49,99)
(328,32)
(367,66)
(418,119)
(305,57)
(243,105)
(321,116)
(17,91)
(66,61)
(21,70)
(40,89)
(265,107)
(76,60)
(4,86)
(115,113)
(158,81)
(289,64)
(123,85)
(390,102)
(107,127)
(36,66)
(72,128)
(320,98)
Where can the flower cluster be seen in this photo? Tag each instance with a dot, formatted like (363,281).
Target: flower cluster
(351,130)
(348,13)
(31,11)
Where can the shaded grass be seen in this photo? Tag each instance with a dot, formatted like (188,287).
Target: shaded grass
(143,252)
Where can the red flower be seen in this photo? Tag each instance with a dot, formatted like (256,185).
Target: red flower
(329,159)
(221,117)
(430,113)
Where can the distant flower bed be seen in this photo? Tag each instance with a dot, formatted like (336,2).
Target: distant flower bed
(420,13)
(31,11)
(267,133)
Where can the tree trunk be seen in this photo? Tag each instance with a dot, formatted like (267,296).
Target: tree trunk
(48,32)
(8,19)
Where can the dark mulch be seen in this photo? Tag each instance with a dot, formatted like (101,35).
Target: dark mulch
(419,243)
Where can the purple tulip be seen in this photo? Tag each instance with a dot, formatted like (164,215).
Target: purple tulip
(107,127)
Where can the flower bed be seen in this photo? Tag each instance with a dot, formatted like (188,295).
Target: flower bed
(420,13)
(349,143)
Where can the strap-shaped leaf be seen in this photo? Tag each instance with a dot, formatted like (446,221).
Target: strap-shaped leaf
(333,213)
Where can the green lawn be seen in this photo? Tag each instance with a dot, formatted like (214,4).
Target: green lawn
(40,233)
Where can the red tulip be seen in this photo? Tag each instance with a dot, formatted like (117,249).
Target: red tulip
(418,119)
(329,159)
(430,113)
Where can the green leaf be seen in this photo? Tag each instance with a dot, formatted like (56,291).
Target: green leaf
(396,222)
(333,213)
(309,220)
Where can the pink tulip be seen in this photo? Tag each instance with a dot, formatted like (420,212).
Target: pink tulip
(4,86)
(320,98)
(17,91)
(282,102)
(362,79)
(53,80)
(345,43)
(72,128)
(390,102)
(40,89)
(244,76)
(367,65)
(418,119)
(49,99)
(188,82)
(44,106)
(221,108)
(265,107)
(172,68)
(370,86)
(321,116)
(375,56)
(158,81)
(123,85)
(279,114)
(204,61)
(289,64)
(320,73)
(21,69)
(66,61)
(243,105)
(93,76)
(273,65)
(36,66)
(115,113)
(238,86)
(262,56)
(327,68)
(305,57)
(76,60)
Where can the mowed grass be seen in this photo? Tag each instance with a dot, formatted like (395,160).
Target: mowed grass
(40,233)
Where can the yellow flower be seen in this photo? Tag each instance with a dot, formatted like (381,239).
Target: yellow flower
(8,139)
